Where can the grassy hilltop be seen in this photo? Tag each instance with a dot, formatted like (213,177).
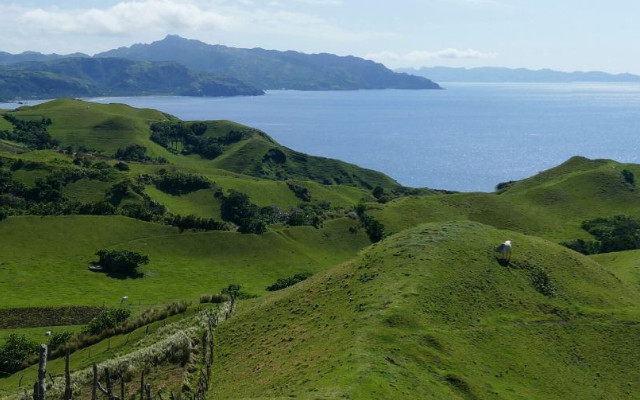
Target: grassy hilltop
(407,298)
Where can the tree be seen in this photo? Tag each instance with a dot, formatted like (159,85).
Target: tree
(121,261)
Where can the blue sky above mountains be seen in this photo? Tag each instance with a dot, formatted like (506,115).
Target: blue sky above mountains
(564,35)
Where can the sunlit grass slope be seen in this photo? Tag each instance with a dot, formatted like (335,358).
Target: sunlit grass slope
(44,260)
(552,204)
(107,127)
(431,313)
(104,127)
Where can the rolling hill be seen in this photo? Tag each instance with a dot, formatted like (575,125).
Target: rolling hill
(428,311)
(431,313)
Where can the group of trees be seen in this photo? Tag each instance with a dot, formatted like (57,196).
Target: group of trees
(282,283)
(178,183)
(190,139)
(373,227)
(615,233)
(237,207)
(34,134)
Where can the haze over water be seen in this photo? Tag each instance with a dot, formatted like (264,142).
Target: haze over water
(469,137)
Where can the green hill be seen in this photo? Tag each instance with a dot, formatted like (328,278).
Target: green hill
(552,204)
(432,313)
(429,311)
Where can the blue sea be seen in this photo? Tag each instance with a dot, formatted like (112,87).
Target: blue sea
(468,137)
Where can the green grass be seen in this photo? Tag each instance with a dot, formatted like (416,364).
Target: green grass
(87,190)
(45,259)
(431,313)
(427,313)
(552,204)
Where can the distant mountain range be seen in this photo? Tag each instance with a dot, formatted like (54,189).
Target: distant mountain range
(497,74)
(271,69)
(178,66)
(87,77)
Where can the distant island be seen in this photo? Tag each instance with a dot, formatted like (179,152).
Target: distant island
(90,77)
(498,74)
(179,66)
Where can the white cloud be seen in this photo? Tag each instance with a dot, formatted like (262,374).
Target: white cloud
(418,58)
(93,28)
(126,17)
(321,2)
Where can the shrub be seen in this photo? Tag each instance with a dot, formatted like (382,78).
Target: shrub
(57,339)
(282,283)
(235,290)
(628,177)
(299,191)
(542,282)
(15,351)
(107,319)
(583,246)
(121,166)
(134,152)
(214,298)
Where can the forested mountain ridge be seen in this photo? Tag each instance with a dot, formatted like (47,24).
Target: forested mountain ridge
(271,69)
(87,77)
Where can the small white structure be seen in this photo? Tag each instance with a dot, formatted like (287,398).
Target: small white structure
(48,333)
(505,250)
(124,299)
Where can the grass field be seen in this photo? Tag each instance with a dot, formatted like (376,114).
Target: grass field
(429,312)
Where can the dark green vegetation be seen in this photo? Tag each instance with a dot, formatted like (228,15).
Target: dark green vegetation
(270,69)
(428,311)
(121,262)
(87,77)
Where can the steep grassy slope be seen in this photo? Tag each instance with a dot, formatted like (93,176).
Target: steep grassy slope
(551,204)
(432,313)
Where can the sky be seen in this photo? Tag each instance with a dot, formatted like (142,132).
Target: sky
(567,35)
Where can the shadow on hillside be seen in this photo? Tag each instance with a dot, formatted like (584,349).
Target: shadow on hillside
(116,275)
(504,263)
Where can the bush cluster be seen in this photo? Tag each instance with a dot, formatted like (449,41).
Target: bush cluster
(178,183)
(195,223)
(617,233)
(235,290)
(171,135)
(107,319)
(134,152)
(32,133)
(542,282)
(214,298)
(282,283)
(373,227)
(299,191)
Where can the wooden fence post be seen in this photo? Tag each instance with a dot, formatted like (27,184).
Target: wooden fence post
(67,377)
(42,373)
(94,387)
